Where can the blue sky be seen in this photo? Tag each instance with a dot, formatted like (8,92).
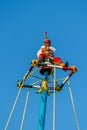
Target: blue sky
(22,24)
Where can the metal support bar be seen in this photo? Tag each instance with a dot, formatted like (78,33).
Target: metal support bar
(73,106)
(24,112)
(9,118)
(66,79)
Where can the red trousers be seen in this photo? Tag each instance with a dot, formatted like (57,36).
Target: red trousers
(57,60)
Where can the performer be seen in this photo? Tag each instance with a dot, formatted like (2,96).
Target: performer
(47,51)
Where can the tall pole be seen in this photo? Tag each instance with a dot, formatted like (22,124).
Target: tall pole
(43,106)
(54,101)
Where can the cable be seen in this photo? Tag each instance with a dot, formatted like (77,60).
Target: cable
(30,74)
(73,106)
(9,118)
(25,107)
(54,100)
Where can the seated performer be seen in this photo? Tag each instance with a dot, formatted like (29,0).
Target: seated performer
(47,51)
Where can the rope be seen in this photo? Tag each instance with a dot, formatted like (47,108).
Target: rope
(25,107)
(73,106)
(57,80)
(35,76)
(9,118)
(30,74)
(36,82)
(54,101)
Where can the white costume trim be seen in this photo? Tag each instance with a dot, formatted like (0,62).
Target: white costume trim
(51,48)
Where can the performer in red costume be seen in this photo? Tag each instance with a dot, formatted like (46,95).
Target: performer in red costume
(47,51)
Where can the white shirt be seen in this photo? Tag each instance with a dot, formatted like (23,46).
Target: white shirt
(52,49)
